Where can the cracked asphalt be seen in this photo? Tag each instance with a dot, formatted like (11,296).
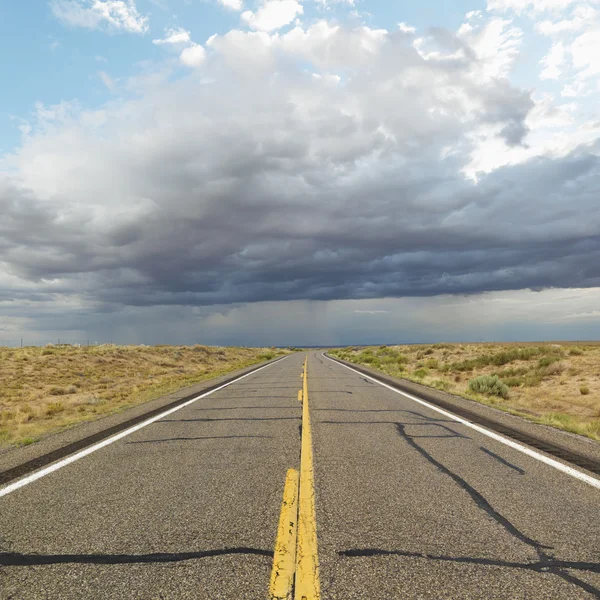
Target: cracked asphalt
(409,504)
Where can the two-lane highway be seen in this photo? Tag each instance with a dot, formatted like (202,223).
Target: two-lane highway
(409,503)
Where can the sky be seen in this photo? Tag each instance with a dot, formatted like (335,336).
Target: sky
(299,172)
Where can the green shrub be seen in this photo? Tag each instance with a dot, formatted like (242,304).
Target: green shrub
(489,385)
(513,381)
(547,361)
(57,391)
(584,390)
(432,363)
(575,351)
(420,373)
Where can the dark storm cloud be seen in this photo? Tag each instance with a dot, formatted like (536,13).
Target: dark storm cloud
(284,186)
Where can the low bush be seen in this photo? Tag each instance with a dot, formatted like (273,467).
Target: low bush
(555,368)
(54,408)
(57,391)
(584,390)
(546,361)
(420,373)
(489,385)
(575,351)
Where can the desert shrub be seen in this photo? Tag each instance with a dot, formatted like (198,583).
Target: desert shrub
(265,356)
(57,391)
(489,385)
(555,368)
(420,373)
(54,408)
(546,361)
(432,363)
(401,359)
(584,390)
(575,351)
(513,381)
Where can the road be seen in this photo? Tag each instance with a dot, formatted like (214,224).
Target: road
(409,504)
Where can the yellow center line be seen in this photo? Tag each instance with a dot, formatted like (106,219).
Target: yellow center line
(307,585)
(296,562)
(284,561)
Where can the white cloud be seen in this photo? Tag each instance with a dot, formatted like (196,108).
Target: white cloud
(585,52)
(174,37)
(232,4)
(92,14)
(553,62)
(190,53)
(273,14)
(535,6)
(194,56)
(496,44)
(405,28)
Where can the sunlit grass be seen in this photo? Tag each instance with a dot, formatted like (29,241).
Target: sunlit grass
(44,390)
(553,384)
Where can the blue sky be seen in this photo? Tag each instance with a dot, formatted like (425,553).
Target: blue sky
(299,171)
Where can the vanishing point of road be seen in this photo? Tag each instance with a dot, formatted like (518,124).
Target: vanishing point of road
(409,503)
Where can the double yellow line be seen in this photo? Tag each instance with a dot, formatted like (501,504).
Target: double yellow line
(296,562)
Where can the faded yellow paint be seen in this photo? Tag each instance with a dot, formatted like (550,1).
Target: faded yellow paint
(299,395)
(284,561)
(307,586)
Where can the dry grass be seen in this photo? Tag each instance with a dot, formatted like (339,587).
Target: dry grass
(44,390)
(557,384)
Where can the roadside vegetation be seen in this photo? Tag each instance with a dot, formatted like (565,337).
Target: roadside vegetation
(44,390)
(553,384)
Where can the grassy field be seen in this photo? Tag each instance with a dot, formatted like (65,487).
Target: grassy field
(44,390)
(557,384)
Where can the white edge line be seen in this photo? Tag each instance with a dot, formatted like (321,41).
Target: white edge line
(70,459)
(496,436)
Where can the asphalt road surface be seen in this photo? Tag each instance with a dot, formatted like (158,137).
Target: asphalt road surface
(409,504)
